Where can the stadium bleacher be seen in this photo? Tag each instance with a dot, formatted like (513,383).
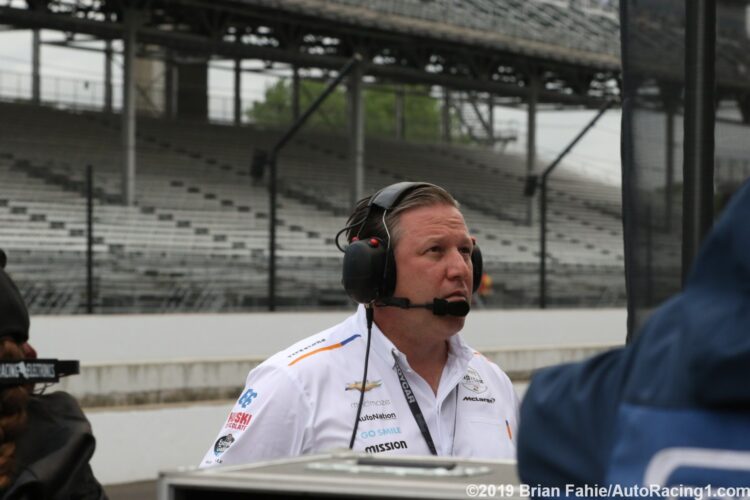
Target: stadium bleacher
(197,238)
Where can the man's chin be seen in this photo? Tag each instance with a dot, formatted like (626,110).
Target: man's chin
(455,323)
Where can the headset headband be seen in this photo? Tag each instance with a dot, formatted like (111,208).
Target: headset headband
(389,196)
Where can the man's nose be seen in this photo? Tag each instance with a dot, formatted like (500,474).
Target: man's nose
(458,266)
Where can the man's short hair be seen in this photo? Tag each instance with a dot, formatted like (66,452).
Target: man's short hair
(422,196)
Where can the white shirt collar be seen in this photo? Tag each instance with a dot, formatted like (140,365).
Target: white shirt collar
(459,353)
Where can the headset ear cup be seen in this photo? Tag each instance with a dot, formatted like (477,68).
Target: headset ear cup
(389,276)
(364,263)
(477,265)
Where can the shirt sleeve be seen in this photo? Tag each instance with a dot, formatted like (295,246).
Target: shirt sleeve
(270,419)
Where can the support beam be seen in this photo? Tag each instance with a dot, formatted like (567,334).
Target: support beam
(108,76)
(671,99)
(491,119)
(669,181)
(192,89)
(698,145)
(295,93)
(36,87)
(446,118)
(260,159)
(534,85)
(131,20)
(464,125)
(238,91)
(356,135)
(170,94)
(475,106)
(541,181)
(202,45)
(400,114)
(89,239)
(743,102)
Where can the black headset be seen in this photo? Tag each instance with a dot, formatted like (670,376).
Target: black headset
(369,271)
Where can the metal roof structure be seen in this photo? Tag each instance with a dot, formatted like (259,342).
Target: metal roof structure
(554,30)
(492,46)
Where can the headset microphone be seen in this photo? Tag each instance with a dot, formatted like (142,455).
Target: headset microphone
(439,307)
(442,307)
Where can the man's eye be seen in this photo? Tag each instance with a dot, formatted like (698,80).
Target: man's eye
(466,250)
(434,249)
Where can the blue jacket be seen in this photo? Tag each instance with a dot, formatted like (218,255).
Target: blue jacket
(670,400)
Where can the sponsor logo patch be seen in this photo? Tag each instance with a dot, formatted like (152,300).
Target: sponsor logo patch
(222,444)
(376,402)
(473,382)
(384,431)
(377,416)
(303,349)
(391,445)
(369,385)
(479,400)
(238,420)
(247,398)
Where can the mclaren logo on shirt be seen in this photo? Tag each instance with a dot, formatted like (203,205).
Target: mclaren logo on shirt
(473,381)
(369,385)
(479,400)
(391,445)
(377,402)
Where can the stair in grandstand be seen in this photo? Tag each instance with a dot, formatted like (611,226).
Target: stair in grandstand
(487,206)
(223,199)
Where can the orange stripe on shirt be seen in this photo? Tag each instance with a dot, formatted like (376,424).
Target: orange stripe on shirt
(326,348)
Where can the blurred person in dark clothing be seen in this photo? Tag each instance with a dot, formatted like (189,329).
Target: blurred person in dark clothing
(673,407)
(45,440)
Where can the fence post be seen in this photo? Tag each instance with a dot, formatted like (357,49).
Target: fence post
(89,239)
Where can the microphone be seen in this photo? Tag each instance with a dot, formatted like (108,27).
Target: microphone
(442,307)
(439,307)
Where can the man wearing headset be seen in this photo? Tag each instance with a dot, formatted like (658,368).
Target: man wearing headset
(395,377)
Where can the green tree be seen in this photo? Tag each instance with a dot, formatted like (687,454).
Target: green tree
(422,112)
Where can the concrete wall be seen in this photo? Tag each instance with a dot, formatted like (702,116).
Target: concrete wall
(182,360)
(139,338)
(135,443)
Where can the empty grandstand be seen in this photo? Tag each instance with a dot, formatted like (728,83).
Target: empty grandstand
(196,239)
(181,220)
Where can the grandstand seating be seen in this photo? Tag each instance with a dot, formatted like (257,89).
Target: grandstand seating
(197,238)
(573,24)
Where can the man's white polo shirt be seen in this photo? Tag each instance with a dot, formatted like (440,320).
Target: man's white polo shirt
(304,400)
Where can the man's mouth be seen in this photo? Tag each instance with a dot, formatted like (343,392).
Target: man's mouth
(456,296)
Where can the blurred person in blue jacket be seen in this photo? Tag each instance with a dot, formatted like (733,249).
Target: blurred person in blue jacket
(672,408)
